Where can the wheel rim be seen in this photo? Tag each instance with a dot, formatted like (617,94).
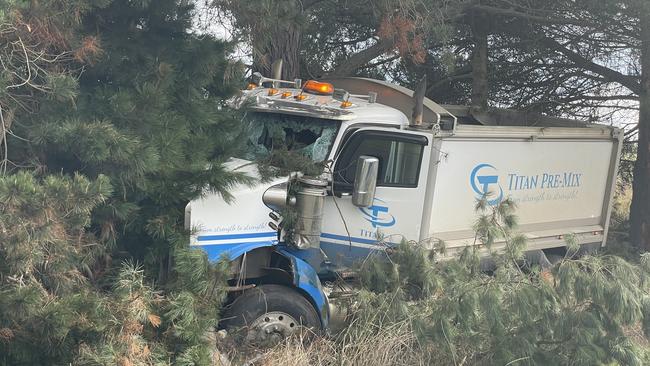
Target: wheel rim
(272,327)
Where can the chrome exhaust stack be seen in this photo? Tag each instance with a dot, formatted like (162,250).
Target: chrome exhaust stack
(297,210)
(418,108)
(276,69)
(310,200)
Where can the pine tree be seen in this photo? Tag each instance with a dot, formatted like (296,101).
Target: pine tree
(145,114)
(47,257)
(54,309)
(41,55)
(575,314)
(148,116)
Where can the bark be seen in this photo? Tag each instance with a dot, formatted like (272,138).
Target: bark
(6,120)
(640,210)
(448,80)
(479,63)
(285,45)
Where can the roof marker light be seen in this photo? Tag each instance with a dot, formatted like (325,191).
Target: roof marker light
(346,104)
(273,91)
(316,87)
(340,94)
(285,95)
(251,86)
(300,97)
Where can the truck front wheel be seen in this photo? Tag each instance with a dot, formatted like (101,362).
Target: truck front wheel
(268,314)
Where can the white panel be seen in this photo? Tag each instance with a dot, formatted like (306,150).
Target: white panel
(551,181)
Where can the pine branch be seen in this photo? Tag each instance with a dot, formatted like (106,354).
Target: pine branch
(630,82)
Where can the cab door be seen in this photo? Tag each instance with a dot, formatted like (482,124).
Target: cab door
(348,231)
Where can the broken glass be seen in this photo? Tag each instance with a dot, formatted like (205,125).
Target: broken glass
(309,136)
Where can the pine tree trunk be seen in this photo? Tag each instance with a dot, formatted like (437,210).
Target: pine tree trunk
(284,44)
(640,210)
(479,64)
(6,119)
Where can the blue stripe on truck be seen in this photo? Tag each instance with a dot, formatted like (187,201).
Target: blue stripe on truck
(352,239)
(238,236)
(273,234)
(231,250)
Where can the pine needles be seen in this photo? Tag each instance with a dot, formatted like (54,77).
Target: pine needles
(413,310)
(574,314)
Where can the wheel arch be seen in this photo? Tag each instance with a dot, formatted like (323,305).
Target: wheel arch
(273,265)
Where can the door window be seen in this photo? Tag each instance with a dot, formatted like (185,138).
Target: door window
(400,156)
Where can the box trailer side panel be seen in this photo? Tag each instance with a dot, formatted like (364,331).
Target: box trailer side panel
(558,185)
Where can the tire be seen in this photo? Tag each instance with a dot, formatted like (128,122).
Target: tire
(268,314)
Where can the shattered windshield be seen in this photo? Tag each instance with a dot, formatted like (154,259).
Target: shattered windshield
(308,136)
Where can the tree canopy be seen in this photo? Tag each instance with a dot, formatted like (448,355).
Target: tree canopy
(580,59)
(115,110)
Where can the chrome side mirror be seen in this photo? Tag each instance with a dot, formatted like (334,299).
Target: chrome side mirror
(365,181)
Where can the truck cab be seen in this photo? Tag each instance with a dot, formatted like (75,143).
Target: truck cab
(386,179)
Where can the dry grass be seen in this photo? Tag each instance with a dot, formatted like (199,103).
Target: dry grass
(636,335)
(394,344)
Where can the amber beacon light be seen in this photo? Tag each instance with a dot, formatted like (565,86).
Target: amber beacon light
(316,87)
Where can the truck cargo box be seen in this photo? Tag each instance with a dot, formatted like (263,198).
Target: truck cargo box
(561,180)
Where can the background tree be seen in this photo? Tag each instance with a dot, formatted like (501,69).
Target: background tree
(40,57)
(333,38)
(148,116)
(122,93)
(581,59)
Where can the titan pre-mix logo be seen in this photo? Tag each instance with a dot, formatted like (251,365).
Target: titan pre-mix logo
(486,181)
(378,214)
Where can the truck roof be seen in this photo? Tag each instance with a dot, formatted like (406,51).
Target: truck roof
(322,106)
(401,98)
(380,102)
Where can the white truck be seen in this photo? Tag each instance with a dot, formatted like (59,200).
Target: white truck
(387,178)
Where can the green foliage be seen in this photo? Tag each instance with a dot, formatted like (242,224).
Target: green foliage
(577,313)
(62,87)
(79,255)
(146,327)
(281,162)
(618,239)
(41,54)
(47,258)
(408,270)
(149,116)
(59,302)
